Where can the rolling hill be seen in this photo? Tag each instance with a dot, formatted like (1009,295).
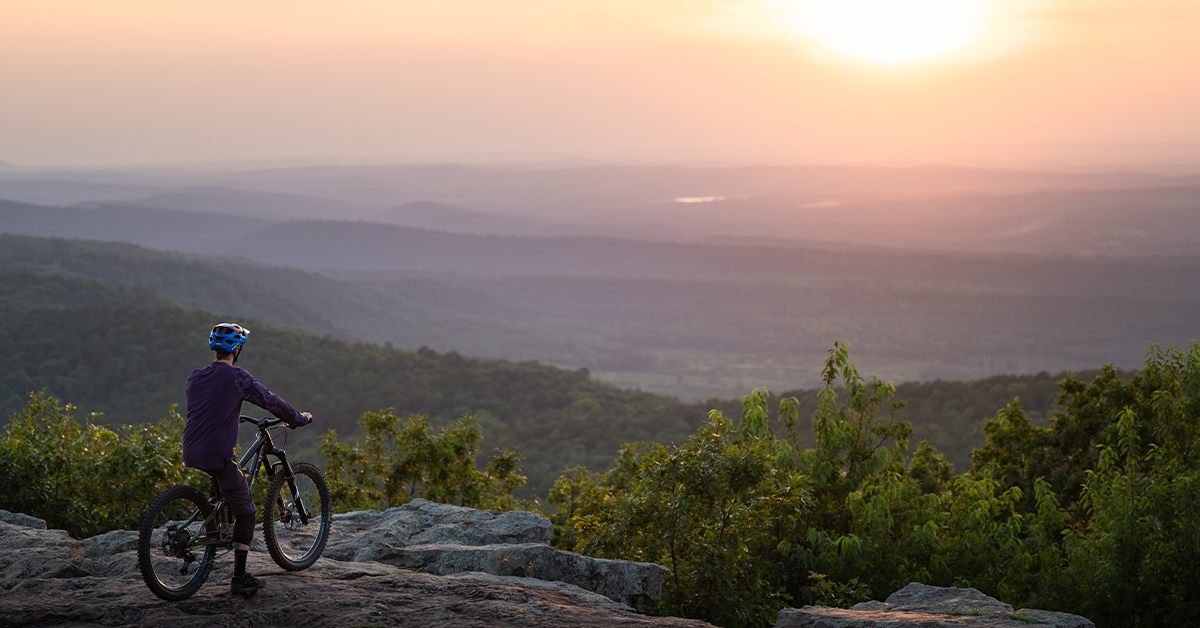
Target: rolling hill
(437,216)
(261,205)
(408,312)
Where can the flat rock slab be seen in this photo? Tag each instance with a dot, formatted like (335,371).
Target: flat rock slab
(369,534)
(922,606)
(51,579)
(628,582)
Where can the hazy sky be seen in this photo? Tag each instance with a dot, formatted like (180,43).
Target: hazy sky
(714,81)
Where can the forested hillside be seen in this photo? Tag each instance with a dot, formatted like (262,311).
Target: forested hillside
(124,352)
(409,312)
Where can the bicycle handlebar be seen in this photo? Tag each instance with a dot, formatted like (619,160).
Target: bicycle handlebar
(262,424)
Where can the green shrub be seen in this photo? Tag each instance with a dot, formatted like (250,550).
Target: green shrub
(82,477)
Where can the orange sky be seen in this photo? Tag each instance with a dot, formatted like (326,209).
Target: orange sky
(1072,82)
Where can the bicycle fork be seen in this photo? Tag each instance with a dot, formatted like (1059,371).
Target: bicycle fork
(297,501)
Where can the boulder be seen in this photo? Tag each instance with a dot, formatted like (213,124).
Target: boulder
(27,552)
(22,519)
(628,582)
(922,606)
(922,597)
(109,543)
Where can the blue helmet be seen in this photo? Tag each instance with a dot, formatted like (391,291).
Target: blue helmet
(227,337)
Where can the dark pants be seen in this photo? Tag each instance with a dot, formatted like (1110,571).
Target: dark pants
(233,487)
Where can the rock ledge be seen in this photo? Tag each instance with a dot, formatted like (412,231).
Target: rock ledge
(922,606)
(49,578)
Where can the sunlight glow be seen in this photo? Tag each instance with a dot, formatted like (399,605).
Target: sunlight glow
(888,31)
(690,200)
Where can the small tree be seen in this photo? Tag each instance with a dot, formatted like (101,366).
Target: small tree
(397,459)
(709,509)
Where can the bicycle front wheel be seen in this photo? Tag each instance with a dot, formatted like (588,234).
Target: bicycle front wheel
(172,554)
(294,543)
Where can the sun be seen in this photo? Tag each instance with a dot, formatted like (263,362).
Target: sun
(888,31)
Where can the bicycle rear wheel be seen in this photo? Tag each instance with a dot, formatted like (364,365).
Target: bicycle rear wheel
(172,563)
(294,544)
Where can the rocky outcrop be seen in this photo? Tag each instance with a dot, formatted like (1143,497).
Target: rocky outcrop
(922,606)
(442,540)
(49,578)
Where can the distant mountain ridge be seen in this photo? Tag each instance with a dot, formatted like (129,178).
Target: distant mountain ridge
(907,207)
(170,230)
(436,216)
(380,248)
(249,203)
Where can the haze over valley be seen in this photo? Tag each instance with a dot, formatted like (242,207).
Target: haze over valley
(691,282)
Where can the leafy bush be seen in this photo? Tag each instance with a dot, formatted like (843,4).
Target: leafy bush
(700,509)
(746,519)
(82,477)
(396,460)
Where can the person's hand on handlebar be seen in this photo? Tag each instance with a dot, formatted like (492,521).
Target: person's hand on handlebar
(307,418)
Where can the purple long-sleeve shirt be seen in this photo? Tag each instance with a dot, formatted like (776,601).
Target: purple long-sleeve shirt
(214,401)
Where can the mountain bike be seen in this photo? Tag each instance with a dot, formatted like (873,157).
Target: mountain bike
(183,528)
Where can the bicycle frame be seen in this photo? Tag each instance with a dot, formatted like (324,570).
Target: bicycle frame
(254,458)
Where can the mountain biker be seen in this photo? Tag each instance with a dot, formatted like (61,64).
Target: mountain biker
(214,401)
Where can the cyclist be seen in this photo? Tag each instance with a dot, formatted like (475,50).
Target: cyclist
(214,401)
